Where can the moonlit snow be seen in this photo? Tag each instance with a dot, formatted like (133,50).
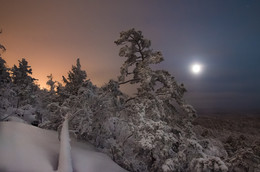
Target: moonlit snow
(25,148)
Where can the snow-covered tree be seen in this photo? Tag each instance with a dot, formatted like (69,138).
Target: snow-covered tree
(4,72)
(155,84)
(24,83)
(76,77)
(21,75)
(139,55)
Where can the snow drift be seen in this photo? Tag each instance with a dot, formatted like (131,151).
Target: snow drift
(26,148)
(65,162)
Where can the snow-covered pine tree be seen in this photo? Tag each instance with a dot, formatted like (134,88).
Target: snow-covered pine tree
(155,84)
(158,134)
(139,55)
(17,98)
(4,71)
(6,94)
(77,97)
(24,83)
(22,75)
(76,77)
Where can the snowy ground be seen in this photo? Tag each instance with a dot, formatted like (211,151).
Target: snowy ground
(25,148)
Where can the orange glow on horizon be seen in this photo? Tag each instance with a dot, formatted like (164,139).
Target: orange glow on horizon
(45,60)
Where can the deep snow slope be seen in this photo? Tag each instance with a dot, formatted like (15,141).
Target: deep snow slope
(25,148)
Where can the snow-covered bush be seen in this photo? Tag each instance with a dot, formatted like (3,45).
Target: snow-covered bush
(244,160)
(208,164)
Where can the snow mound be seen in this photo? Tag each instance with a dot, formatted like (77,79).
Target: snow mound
(65,162)
(26,148)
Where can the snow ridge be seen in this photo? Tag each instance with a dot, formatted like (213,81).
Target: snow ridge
(65,163)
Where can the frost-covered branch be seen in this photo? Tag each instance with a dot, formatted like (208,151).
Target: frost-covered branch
(120,83)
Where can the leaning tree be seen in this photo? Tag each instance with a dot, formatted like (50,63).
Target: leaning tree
(137,69)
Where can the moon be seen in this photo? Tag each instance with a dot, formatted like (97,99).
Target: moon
(196,68)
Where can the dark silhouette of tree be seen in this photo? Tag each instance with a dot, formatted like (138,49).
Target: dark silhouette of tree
(76,77)
(51,83)
(4,71)
(21,75)
(1,46)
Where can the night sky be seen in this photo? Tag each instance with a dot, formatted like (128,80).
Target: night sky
(222,35)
